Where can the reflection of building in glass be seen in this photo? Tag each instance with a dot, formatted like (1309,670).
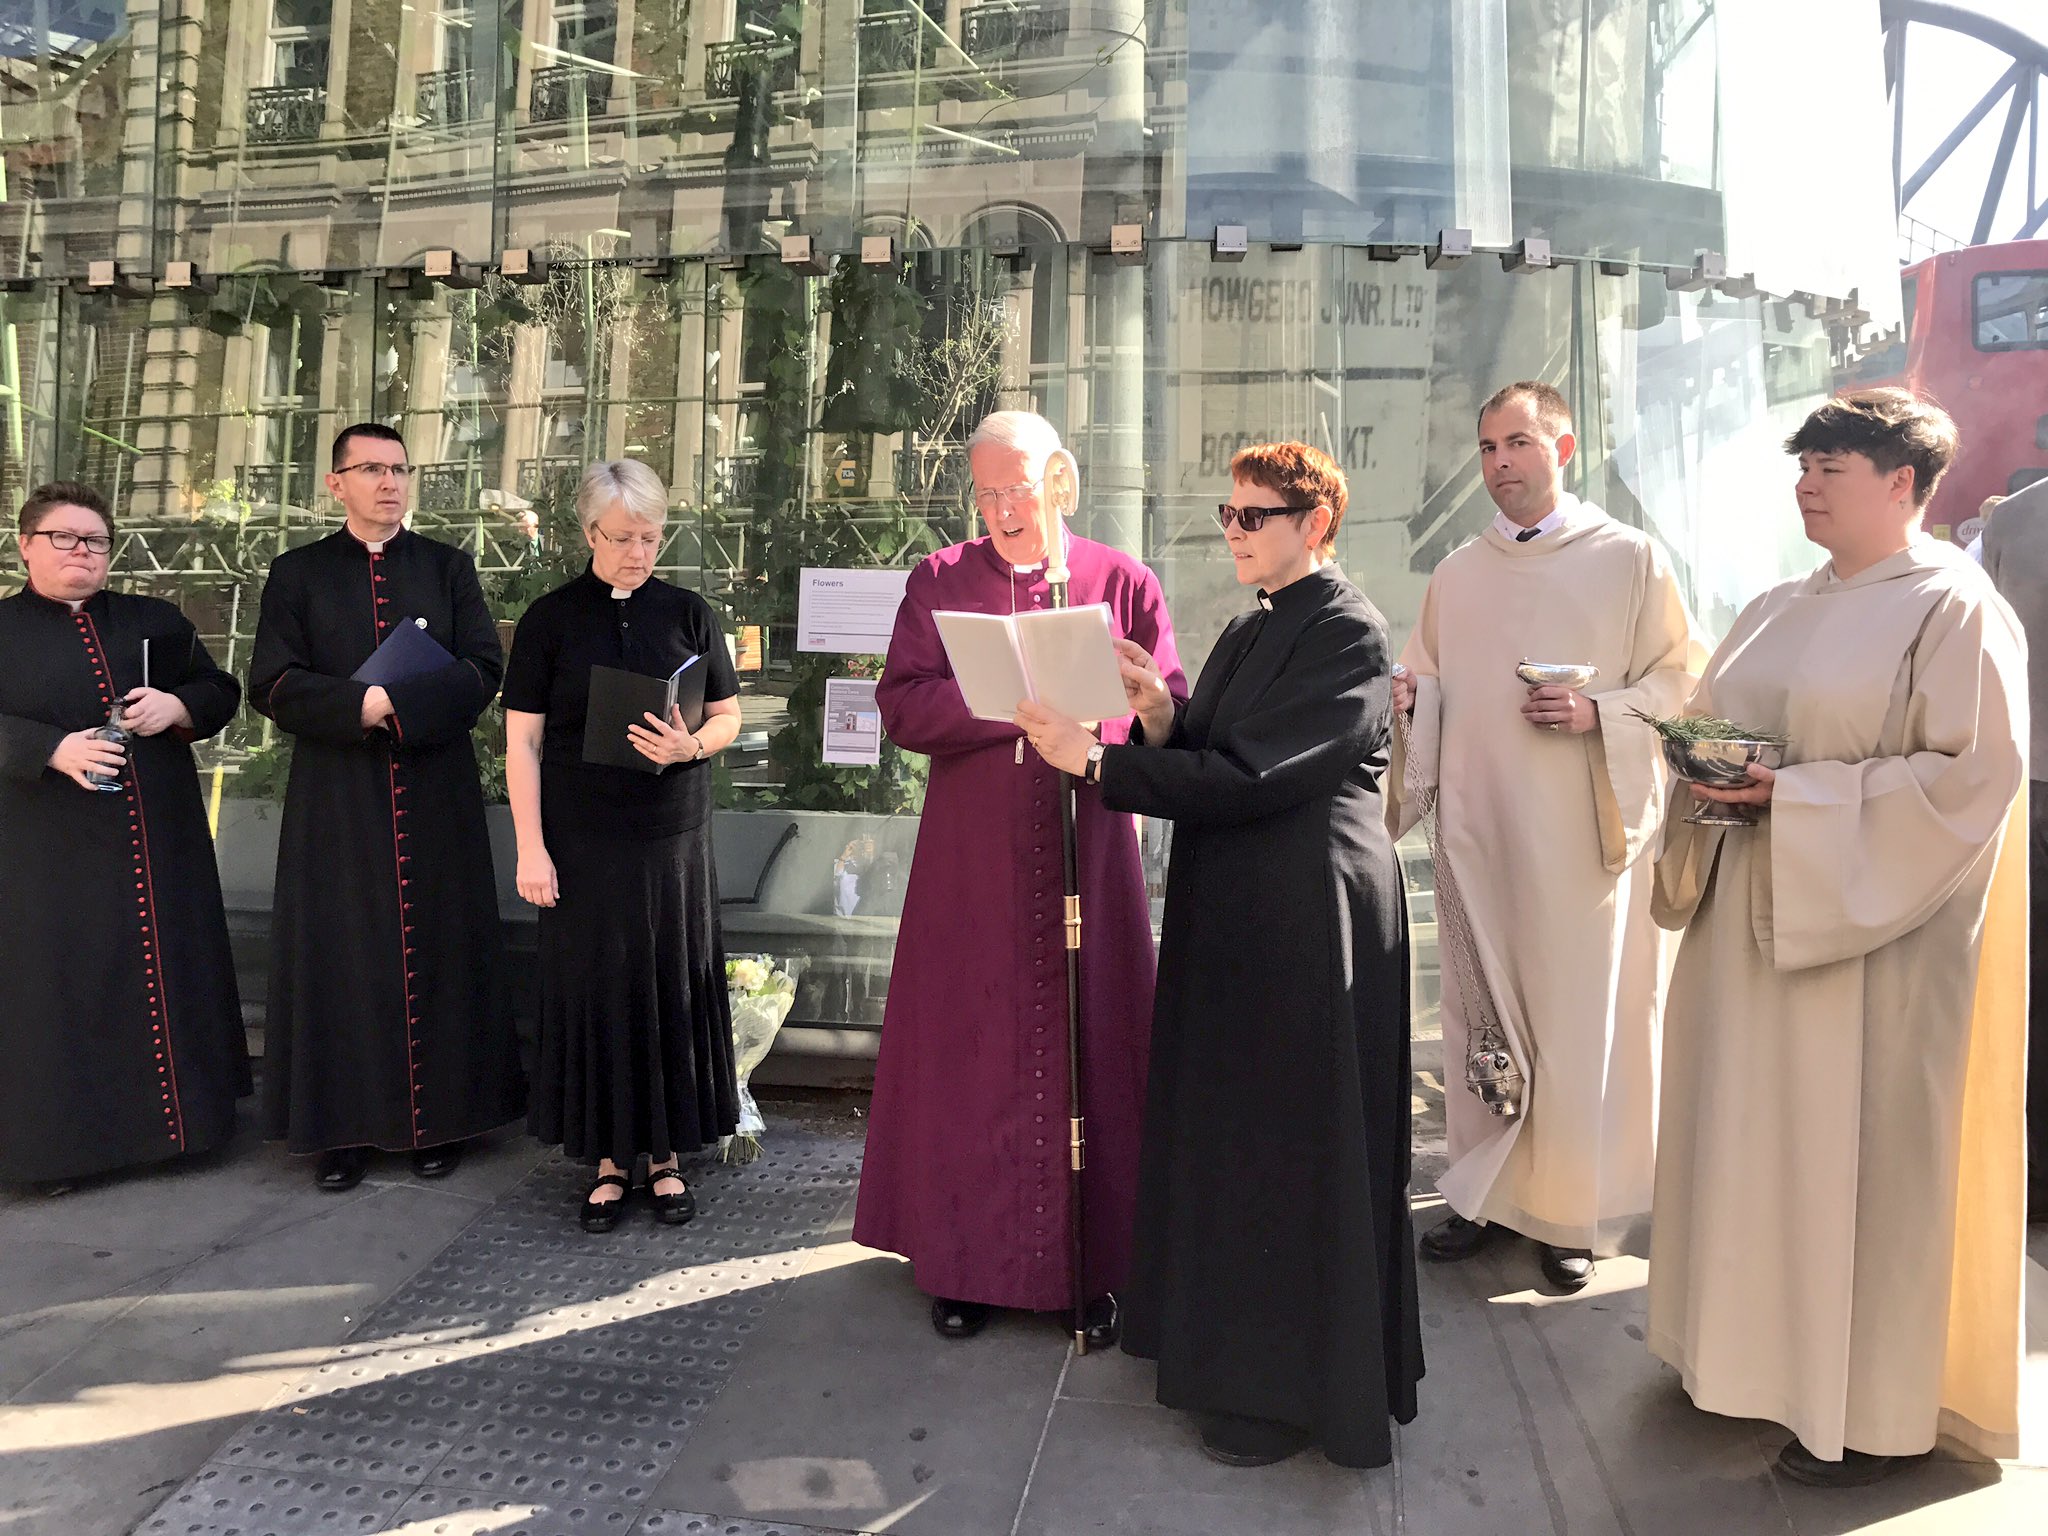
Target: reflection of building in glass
(614,178)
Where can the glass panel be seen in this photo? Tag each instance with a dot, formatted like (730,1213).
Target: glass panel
(1614,109)
(79,111)
(1320,119)
(649,153)
(337,137)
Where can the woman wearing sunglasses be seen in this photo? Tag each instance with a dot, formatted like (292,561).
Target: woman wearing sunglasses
(1274,1281)
(120,1025)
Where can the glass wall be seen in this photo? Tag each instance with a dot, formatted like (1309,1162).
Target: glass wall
(307,155)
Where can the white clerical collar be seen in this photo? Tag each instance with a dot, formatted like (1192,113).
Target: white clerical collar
(1066,549)
(1507,528)
(76,606)
(620,594)
(376,546)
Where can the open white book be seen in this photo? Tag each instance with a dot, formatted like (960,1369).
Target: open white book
(1063,658)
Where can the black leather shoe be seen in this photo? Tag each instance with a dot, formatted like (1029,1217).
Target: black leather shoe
(1237,1441)
(603,1215)
(670,1210)
(1455,1239)
(341,1170)
(1567,1268)
(437,1162)
(1856,1469)
(1102,1322)
(958,1319)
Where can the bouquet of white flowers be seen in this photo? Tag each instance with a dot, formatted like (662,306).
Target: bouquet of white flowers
(761,993)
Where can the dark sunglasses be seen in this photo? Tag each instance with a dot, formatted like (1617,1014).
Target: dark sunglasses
(1252,519)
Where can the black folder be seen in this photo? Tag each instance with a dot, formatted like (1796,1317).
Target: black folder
(619,698)
(407,652)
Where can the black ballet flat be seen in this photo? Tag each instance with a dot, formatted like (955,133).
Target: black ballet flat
(671,1210)
(341,1169)
(603,1215)
(958,1319)
(1102,1322)
(1237,1441)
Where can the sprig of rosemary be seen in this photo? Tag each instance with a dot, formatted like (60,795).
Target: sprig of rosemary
(1688,729)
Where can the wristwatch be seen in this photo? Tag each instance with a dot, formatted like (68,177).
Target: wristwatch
(1092,774)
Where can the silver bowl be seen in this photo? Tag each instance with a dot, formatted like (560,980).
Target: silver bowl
(1721,765)
(1556,674)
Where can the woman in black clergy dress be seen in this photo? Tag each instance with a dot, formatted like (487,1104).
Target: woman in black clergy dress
(635,1048)
(1275,1278)
(120,1026)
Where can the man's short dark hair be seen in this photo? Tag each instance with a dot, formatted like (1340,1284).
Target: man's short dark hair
(376,431)
(45,499)
(1890,427)
(1550,405)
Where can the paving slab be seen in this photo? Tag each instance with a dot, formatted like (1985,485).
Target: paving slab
(55,1296)
(96,1443)
(850,1411)
(459,1357)
(1137,1471)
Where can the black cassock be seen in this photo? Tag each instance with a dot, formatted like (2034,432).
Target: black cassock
(388,1023)
(1275,1272)
(120,1028)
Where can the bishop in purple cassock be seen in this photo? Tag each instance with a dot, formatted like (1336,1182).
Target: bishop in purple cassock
(966,1172)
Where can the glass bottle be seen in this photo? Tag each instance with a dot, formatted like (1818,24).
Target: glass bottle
(115,730)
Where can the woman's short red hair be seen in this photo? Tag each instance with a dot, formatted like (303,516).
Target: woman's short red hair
(1301,473)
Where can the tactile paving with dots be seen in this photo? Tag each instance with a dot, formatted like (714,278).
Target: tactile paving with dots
(242,1501)
(531,1377)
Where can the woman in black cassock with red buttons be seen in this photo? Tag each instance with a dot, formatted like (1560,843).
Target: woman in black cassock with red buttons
(120,1025)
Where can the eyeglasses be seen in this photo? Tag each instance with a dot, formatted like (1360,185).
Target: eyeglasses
(647,541)
(65,540)
(370,472)
(1252,519)
(1008,496)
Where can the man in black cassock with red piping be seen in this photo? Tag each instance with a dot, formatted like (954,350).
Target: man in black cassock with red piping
(387,1025)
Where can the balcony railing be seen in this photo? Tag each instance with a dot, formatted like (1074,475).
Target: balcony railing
(997,31)
(937,470)
(277,485)
(548,477)
(444,98)
(896,43)
(735,479)
(561,89)
(450,487)
(286,114)
(772,59)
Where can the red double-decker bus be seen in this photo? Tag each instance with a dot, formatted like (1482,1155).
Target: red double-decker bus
(1976,339)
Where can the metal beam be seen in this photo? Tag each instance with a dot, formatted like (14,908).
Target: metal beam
(1895,83)
(2007,39)
(2007,82)
(2001,167)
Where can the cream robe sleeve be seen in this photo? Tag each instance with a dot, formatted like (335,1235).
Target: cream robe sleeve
(1666,656)
(1411,779)
(1864,852)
